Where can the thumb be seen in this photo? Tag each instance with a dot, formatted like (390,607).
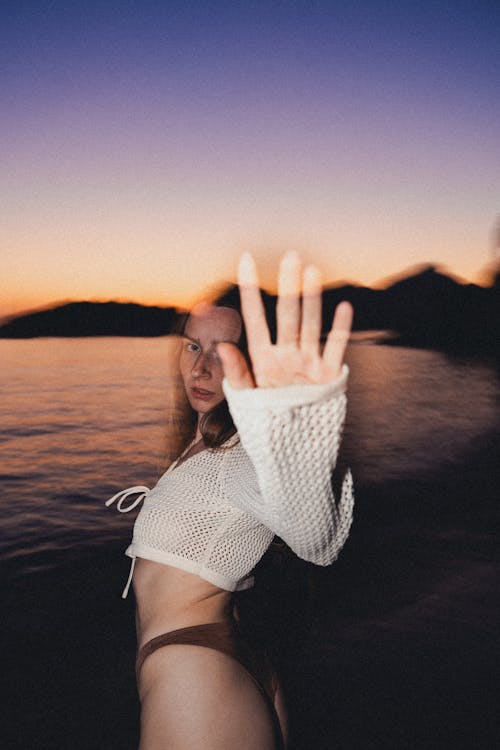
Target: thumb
(235,366)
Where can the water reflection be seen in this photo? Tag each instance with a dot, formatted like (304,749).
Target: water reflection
(82,418)
(411,411)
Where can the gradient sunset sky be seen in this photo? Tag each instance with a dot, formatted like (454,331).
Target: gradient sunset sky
(145,145)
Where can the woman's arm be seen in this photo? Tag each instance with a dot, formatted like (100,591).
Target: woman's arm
(292,436)
(290,408)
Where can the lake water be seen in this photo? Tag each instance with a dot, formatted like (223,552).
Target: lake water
(82,418)
(398,648)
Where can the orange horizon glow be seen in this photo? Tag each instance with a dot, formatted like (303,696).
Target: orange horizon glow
(135,169)
(13,305)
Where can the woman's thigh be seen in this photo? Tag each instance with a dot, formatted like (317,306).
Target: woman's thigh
(196,698)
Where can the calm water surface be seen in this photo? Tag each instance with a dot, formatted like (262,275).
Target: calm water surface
(82,418)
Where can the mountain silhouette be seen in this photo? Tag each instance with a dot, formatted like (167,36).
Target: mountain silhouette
(92,319)
(426,309)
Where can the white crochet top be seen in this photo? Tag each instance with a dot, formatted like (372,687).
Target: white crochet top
(216,513)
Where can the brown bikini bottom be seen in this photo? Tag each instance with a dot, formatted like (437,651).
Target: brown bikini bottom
(226,638)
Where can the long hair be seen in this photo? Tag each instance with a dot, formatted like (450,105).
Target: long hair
(283,589)
(180,420)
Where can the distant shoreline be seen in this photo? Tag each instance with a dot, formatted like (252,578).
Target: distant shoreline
(428,310)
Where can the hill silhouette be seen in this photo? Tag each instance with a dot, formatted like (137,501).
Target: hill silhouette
(426,309)
(92,319)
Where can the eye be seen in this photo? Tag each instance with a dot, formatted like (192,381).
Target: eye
(192,347)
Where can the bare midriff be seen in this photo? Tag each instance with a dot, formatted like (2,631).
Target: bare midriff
(168,598)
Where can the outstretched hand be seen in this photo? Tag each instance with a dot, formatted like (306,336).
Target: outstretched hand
(296,357)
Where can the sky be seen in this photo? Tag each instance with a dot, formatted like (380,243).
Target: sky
(145,145)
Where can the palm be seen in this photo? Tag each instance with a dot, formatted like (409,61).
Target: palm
(296,357)
(279,365)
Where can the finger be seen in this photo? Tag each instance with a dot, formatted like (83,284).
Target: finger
(338,337)
(310,330)
(252,307)
(288,307)
(235,366)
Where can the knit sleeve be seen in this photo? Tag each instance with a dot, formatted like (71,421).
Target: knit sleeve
(292,436)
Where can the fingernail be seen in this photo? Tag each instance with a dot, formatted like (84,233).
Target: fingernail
(247,273)
(291,258)
(289,277)
(312,278)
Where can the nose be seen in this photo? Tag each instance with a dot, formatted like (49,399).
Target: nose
(201,367)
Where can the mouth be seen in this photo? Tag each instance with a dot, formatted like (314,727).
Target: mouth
(202,394)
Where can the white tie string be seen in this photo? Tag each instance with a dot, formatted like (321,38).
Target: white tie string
(123,494)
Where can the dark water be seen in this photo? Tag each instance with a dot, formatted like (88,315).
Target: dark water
(82,418)
(399,647)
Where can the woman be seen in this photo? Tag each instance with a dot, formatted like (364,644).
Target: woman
(214,513)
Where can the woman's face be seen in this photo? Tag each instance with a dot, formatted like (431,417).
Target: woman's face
(200,366)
